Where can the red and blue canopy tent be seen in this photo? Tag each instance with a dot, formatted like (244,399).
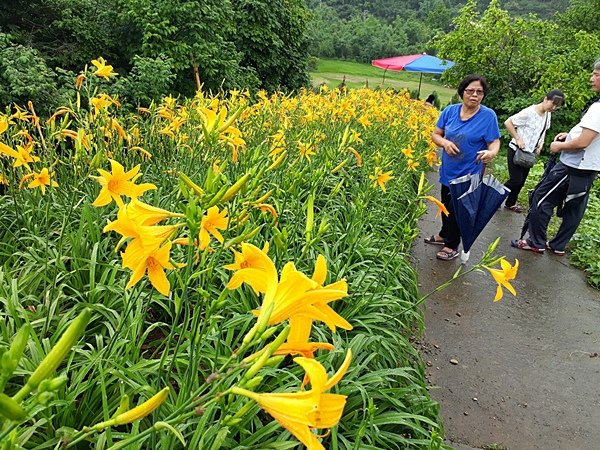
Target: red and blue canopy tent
(423,63)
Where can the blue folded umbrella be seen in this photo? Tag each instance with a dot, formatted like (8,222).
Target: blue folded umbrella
(475,200)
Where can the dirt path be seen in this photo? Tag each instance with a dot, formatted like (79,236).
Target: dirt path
(528,371)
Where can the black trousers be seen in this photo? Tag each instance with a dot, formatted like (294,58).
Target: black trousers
(567,189)
(450,231)
(517,176)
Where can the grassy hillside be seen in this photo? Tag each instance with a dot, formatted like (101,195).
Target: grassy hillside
(332,73)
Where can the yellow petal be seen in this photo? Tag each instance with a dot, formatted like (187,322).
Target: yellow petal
(341,371)
(159,280)
(320,273)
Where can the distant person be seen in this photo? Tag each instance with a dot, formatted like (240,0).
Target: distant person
(528,130)
(569,182)
(469,135)
(429,101)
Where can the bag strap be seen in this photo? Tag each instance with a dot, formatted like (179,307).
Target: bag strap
(542,133)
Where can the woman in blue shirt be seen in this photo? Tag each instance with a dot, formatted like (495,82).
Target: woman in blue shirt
(469,135)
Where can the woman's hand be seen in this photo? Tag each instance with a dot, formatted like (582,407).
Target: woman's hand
(450,148)
(485,156)
(520,143)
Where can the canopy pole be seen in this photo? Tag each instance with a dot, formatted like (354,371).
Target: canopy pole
(383,81)
(419,92)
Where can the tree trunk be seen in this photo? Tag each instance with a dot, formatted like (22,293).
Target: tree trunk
(196,72)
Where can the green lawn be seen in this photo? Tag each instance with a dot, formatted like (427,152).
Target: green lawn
(332,72)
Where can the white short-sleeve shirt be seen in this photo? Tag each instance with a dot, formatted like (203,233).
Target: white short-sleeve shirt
(530,125)
(589,157)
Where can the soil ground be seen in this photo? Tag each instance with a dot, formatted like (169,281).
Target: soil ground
(525,371)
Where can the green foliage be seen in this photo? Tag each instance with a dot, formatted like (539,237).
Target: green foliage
(585,244)
(24,75)
(523,59)
(148,80)
(272,40)
(256,44)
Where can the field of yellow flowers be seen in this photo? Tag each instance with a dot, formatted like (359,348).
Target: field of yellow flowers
(228,271)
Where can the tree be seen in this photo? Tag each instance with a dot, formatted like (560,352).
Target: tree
(511,54)
(271,38)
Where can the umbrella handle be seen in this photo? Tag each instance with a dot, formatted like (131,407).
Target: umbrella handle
(464,256)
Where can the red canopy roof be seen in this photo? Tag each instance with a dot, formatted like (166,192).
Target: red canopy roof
(395,63)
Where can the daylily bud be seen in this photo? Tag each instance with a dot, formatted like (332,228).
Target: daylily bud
(323,227)
(137,413)
(230,421)
(239,184)
(274,361)
(254,382)
(53,384)
(10,409)
(310,216)
(264,197)
(264,317)
(57,353)
(339,166)
(264,357)
(218,197)
(268,333)
(278,161)
(243,237)
(190,184)
(345,137)
(421,184)
(337,187)
(19,343)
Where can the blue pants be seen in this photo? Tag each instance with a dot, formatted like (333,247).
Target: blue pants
(567,189)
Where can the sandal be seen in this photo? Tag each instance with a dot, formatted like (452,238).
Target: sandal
(446,256)
(432,240)
(556,252)
(522,244)
(515,208)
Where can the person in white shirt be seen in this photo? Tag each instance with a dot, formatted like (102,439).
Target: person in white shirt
(569,182)
(528,129)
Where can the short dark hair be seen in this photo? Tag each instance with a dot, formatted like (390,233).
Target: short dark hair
(430,99)
(556,96)
(468,80)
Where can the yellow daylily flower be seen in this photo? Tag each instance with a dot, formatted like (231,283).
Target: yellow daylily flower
(327,314)
(441,207)
(504,276)
(300,412)
(22,154)
(145,214)
(119,183)
(103,69)
(3,125)
(42,179)
(293,294)
(212,222)
(134,222)
(412,165)
(306,150)
(21,114)
(380,178)
(259,270)
(139,259)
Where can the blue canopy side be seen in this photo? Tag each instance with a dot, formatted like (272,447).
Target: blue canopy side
(428,64)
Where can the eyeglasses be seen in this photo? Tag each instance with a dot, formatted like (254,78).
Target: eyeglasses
(478,92)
